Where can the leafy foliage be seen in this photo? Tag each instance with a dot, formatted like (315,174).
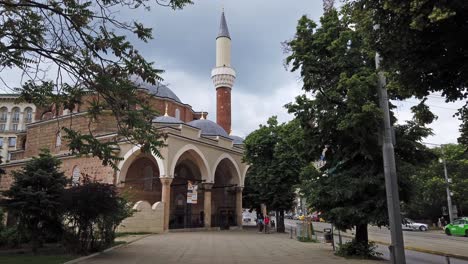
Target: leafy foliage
(275,153)
(354,248)
(34,198)
(341,124)
(424,46)
(86,45)
(93,210)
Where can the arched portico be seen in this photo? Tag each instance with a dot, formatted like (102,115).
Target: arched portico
(129,157)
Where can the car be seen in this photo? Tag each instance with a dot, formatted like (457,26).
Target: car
(409,224)
(458,227)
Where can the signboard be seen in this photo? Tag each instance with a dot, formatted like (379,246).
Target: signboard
(192,193)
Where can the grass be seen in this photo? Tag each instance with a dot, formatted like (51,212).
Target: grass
(35,259)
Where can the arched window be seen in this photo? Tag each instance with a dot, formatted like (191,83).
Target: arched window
(76,176)
(148,176)
(177,113)
(58,139)
(16,115)
(3,114)
(28,115)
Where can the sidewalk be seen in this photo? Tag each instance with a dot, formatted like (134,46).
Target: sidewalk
(223,247)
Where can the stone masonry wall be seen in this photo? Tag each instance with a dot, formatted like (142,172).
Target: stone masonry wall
(147,218)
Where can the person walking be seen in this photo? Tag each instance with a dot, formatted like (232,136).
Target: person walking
(260,224)
(266,220)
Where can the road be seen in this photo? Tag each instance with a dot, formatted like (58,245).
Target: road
(431,240)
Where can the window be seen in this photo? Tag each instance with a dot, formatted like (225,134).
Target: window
(1,142)
(11,142)
(3,114)
(2,127)
(148,176)
(16,114)
(177,113)
(14,127)
(76,176)
(58,139)
(28,115)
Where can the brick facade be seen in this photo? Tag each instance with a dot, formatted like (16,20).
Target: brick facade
(223,108)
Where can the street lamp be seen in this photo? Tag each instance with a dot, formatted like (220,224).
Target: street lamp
(447,185)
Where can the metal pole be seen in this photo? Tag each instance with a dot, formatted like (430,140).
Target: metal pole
(447,187)
(391,182)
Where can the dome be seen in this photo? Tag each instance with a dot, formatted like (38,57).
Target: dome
(237,140)
(208,128)
(159,89)
(167,120)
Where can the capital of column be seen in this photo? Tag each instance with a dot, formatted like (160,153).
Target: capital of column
(166,181)
(239,188)
(207,186)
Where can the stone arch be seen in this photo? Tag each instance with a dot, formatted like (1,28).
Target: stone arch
(202,163)
(131,156)
(234,163)
(244,174)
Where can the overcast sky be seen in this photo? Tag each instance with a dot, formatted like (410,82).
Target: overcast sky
(184,46)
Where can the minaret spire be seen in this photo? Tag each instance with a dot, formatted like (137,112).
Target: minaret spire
(223,75)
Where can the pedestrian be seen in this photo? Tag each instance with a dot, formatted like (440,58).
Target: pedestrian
(260,224)
(266,220)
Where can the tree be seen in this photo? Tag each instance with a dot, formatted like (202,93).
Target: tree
(34,198)
(276,156)
(69,49)
(424,46)
(93,211)
(429,194)
(341,122)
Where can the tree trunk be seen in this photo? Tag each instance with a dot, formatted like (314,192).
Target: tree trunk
(280,221)
(361,234)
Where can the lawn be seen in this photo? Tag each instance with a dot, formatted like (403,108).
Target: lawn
(35,259)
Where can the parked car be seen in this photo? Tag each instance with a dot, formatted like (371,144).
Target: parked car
(458,227)
(409,224)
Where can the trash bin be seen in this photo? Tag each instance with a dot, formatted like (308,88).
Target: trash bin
(327,235)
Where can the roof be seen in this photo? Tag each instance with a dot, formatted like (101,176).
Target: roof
(159,89)
(167,120)
(208,128)
(236,139)
(223,28)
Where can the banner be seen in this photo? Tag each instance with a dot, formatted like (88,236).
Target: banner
(192,193)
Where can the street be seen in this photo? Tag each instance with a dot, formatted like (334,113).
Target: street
(429,241)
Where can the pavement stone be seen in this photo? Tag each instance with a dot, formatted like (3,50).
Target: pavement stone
(223,247)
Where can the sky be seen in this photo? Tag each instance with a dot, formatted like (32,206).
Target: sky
(184,46)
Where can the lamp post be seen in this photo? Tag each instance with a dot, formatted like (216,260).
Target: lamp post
(447,186)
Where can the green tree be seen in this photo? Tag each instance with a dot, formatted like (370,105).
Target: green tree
(86,44)
(424,45)
(34,198)
(275,153)
(93,211)
(341,123)
(429,193)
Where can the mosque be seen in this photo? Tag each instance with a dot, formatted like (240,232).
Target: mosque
(196,183)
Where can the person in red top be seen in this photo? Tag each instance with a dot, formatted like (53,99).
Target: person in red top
(266,220)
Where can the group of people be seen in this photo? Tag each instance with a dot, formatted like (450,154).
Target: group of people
(264,223)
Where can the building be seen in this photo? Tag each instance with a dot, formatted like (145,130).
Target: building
(13,120)
(199,178)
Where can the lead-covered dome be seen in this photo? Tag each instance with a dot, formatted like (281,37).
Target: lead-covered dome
(208,128)
(158,89)
(167,120)
(237,140)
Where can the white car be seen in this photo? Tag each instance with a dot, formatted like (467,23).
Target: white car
(409,224)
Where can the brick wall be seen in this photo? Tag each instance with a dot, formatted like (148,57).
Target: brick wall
(223,108)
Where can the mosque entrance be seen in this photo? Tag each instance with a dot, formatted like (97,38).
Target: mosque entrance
(224,193)
(186,211)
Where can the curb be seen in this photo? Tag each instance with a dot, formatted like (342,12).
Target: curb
(423,250)
(73,261)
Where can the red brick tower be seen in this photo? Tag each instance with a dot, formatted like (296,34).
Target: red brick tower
(223,76)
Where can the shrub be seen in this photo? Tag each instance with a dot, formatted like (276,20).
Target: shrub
(358,249)
(93,210)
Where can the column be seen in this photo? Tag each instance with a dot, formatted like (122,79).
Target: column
(239,206)
(166,199)
(207,203)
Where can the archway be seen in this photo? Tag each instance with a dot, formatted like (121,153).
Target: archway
(141,180)
(225,194)
(187,212)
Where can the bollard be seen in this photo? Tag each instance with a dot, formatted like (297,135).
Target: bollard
(447,259)
(290,233)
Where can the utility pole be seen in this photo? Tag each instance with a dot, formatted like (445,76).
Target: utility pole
(447,186)
(391,182)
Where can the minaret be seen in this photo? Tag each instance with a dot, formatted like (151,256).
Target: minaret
(223,76)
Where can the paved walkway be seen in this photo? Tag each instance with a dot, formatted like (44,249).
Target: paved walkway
(224,247)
